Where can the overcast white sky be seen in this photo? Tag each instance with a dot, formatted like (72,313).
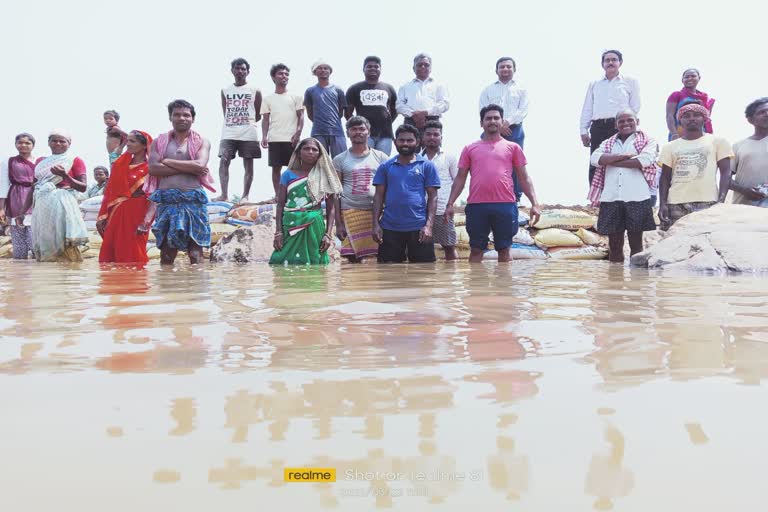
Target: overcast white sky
(65,63)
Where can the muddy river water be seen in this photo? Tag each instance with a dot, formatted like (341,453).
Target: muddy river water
(532,386)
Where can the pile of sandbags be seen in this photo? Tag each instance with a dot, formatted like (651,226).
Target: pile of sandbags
(568,234)
(90,209)
(251,214)
(522,248)
(6,249)
(217,211)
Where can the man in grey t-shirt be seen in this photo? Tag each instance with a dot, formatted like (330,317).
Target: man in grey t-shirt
(354,211)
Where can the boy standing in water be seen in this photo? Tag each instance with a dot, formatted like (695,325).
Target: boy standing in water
(116,137)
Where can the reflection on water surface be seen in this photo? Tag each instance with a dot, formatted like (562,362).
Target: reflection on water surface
(531,386)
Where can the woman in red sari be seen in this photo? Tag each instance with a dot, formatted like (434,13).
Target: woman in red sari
(121,221)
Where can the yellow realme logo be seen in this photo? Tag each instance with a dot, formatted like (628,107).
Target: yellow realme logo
(309,474)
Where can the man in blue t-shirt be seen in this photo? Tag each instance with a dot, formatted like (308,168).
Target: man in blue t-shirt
(325,104)
(406,191)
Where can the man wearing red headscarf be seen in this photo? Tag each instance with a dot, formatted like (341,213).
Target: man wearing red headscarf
(125,205)
(689,168)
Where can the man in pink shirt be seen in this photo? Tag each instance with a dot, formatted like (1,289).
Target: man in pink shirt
(492,204)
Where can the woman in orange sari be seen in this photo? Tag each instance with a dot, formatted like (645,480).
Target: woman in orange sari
(122,222)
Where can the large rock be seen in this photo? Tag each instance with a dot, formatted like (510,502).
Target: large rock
(251,244)
(244,245)
(724,237)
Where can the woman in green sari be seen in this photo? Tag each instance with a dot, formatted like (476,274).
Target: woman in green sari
(302,236)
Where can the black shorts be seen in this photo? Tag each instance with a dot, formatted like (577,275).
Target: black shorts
(245,148)
(619,216)
(399,245)
(280,153)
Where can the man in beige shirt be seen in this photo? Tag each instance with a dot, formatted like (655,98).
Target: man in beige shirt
(282,119)
(750,165)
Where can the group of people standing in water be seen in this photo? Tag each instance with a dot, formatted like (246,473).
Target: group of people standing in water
(392,208)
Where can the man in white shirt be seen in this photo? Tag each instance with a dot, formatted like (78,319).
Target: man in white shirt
(509,94)
(443,230)
(626,171)
(605,98)
(241,106)
(422,99)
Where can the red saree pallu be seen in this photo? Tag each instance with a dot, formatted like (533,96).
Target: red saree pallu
(124,213)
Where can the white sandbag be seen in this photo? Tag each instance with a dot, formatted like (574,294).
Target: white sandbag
(523,237)
(526,252)
(92,204)
(578,253)
(219,207)
(217,217)
(237,222)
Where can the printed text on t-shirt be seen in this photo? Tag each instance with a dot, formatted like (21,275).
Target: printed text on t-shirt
(361,180)
(237,106)
(374,98)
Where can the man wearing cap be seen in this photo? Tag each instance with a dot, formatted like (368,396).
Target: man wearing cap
(325,104)
(689,168)
(606,98)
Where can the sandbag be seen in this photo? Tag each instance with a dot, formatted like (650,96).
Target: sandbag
(5,240)
(523,237)
(590,237)
(565,219)
(219,207)
(462,237)
(153,253)
(526,252)
(578,253)
(554,237)
(219,230)
(522,218)
(214,218)
(94,240)
(6,251)
(92,204)
(251,212)
(238,222)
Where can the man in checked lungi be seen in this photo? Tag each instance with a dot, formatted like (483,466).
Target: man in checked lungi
(354,213)
(625,174)
(443,231)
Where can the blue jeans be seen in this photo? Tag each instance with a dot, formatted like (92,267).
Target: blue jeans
(334,144)
(383,144)
(518,137)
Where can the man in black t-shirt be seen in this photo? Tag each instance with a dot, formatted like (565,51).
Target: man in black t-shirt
(375,101)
